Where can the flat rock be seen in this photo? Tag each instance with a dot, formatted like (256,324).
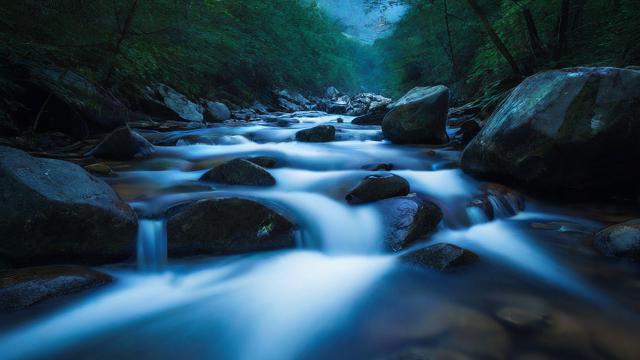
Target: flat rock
(320,133)
(440,257)
(240,172)
(378,187)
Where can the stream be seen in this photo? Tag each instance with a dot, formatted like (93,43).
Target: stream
(538,291)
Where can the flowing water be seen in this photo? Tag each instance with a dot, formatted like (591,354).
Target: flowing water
(538,291)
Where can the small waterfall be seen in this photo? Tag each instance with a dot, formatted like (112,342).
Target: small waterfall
(152,245)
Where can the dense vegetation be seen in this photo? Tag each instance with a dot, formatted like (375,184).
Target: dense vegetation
(446,41)
(227,49)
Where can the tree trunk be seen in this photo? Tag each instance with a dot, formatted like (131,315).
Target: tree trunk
(122,36)
(502,48)
(563,25)
(451,53)
(537,46)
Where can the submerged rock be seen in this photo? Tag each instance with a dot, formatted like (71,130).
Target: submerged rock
(440,256)
(123,144)
(56,211)
(621,240)
(408,218)
(216,112)
(572,129)
(240,172)
(24,287)
(419,117)
(320,133)
(227,226)
(378,187)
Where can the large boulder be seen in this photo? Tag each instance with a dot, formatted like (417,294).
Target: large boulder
(406,219)
(24,287)
(123,144)
(164,102)
(440,257)
(378,187)
(215,112)
(227,226)
(419,117)
(622,240)
(571,130)
(55,211)
(320,133)
(240,172)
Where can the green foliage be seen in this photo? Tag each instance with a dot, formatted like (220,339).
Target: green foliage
(235,50)
(599,32)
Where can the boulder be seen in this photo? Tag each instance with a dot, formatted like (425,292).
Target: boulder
(440,257)
(123,144)
(215,112)
(332,93)
(419,117)
(24,287)
(364,103)
(621,240)
(378,187)
(568,130)
(161,101)
(320,133)
(240,172)
(227,226)
(55,211)
(406,219)
(292,101)
(374,117)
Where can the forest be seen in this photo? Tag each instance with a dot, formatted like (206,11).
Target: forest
(319,179)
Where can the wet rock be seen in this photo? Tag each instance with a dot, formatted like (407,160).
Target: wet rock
(332,93)
(123,144)
(292,101)
(559,130)
(441,257)
(244,114)
(101,169)
(227,226)
(24,287)
(378,167)
(373,117)
(55,211)
(621,240)
(408,218)
(340,120)
(286,122)
(468,130)
(320,133)
(264,161)
(378,187)
(498,201)
(364,103)
(161,101)
(215,112)
(419,117)
(239,172)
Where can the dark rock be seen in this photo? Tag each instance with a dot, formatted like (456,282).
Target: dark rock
(419,117)
(440,257)
(215,112)
(122,144)
(101,169)
(566,130)
(320,133)
(621,240)
(364,103)
(292,101)
(378,187)
(24,287)
(244,114)
(332,93)
(286,122)
(379,167)
(55,211)
(227,226)
(407,218)
(468,130)
(161,101)
(374,117)
(498,201)
(239,172)
(264,161)
(339,120)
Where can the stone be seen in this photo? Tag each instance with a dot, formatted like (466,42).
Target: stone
(378,187)
(227,226)
(239,172)
(162,101)
(566,130)
(620,240)
(25,287)
(406,219)
(215,112)
(320,133)
(123,144)
(55,211)
(440,257)
(419,117)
